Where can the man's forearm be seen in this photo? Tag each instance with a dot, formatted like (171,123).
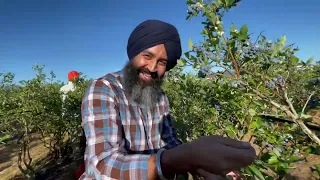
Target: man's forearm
(152,170)
(173,161)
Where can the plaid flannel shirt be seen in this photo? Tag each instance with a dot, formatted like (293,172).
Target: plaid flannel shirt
(121,135)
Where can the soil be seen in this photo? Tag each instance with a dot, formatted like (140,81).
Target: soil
(303,170)
(63,169)
(9,157)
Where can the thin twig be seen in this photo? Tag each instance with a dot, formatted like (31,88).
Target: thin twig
(286,78)
(225,68)
(229,77)
(305,105)
(234,62)
(285,93)
(276,93)
(258,37)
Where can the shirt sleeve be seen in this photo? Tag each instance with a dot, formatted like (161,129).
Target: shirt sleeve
(105,155)
(169,134)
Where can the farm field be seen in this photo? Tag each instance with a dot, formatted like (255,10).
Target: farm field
(241,86)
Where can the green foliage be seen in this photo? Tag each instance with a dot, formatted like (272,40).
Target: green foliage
(243,86)
(34,108)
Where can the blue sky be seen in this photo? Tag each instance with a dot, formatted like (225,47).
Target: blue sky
(91,36)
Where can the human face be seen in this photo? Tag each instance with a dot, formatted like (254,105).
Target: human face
(151,64)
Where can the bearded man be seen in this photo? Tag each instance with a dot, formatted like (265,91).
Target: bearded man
(129,127)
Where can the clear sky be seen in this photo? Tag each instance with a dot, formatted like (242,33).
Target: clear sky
(91,35)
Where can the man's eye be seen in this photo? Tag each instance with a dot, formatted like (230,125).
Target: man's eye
(147,56)
(163,63)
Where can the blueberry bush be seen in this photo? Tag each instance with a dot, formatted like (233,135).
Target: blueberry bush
(35,108)
(247,88)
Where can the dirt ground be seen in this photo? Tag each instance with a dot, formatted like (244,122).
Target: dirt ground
(9,157)
(303,170)
(63,170)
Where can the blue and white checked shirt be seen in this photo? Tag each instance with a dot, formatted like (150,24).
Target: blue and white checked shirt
(121,136)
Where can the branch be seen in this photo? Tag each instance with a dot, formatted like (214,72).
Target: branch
(258,38)
(311,125)
(305,105)
(234,62)
(189,63)
(277,105)
(286,78)
(285,93)
(228,77)
(294,117)
(307,131)
(224,67)
(235,65)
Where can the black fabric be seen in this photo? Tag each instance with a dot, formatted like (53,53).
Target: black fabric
(154,32)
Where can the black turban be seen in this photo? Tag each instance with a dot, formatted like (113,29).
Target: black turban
(154,32)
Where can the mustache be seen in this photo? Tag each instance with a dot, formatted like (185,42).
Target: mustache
(154,75)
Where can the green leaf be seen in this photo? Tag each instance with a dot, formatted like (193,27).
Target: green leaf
(273,160)
(310,60)
(253,125)
(190,43)
(294,60)
(276,152)
(317,166)
(252,112)
(265,157)
(204,32)
(187,54)
(271,139)
(229,2)
(293,159)
(254,169)
(190,2)
(213,18)
(243,32)
(182,62)
(259,122)
(247,170)
(233,28)
(229,130)
(282,42)
(218,3)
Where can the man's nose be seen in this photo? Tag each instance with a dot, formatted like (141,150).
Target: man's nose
(152,66)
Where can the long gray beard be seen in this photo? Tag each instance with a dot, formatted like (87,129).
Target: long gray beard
(148,95)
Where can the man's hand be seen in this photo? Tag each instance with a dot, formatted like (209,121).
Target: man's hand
(200,174)
(217,154)
(235,175)
(213,154)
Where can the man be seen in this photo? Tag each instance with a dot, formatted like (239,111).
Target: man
(128,124)
(69,87)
